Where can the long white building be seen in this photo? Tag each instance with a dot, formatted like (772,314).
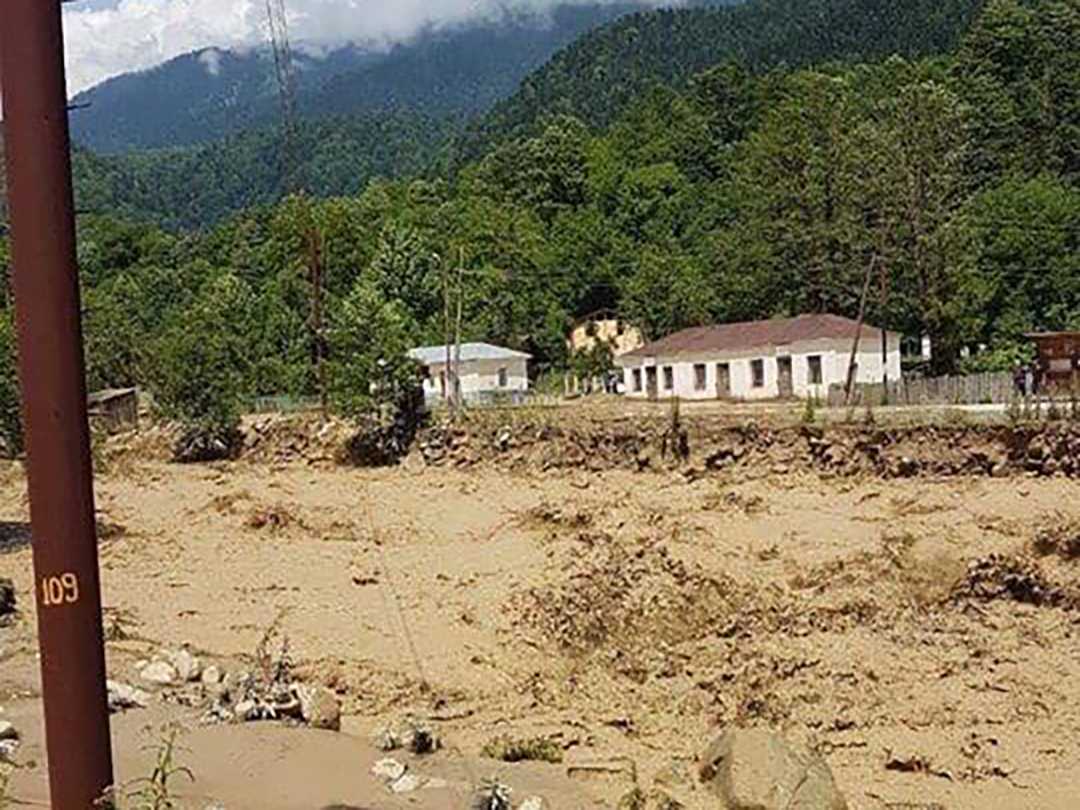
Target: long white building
(485,371)
(782,358)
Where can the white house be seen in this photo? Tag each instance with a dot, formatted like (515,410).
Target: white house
(484,371)
(793,357)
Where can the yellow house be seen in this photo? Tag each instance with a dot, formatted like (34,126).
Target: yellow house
(600,330)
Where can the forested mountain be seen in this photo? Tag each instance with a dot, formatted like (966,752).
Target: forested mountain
(600,74)
(197,186)
(204,96)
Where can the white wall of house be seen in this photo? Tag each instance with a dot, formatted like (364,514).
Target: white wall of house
(482,377)
(697,377)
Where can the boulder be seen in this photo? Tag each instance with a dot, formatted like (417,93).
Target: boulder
(389,770)
(187,666)
(211,676)
(319,707)
(159,673)
(8,731)
(123,696)
(753,769)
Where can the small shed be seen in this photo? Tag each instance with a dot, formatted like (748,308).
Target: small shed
(115,409)
(1058,359)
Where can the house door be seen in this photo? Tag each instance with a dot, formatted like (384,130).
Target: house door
(651,385)
(784,377)
(723,380)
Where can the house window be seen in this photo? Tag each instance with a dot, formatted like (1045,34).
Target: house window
(637,379)
(699,377)
(669,378)
(757,371)
(813,364)
(504,378)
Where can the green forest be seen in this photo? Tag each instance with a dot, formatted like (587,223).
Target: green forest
(742,193)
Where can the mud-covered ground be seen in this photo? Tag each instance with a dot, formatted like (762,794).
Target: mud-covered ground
(917,626)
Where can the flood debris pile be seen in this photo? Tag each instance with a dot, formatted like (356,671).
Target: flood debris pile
(1058,537)
(268,692)
(627,595)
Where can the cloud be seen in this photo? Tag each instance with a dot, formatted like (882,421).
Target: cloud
(211,60)
(138,34)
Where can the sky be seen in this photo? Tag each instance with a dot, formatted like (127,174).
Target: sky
(105,38)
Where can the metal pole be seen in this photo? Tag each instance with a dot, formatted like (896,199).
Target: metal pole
(67,584)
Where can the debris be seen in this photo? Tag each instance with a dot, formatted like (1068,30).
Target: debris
(915,763)
(536,749)
(247,710)
(160,673)
(188,667)
(7,598)
(406,784)
(753,769)
(318,707)
(493,795)
(123,696)
(1016,578)
(211,676)
(389,770)
(1059,537)
(274,518)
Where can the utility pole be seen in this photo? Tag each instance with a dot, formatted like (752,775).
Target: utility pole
(457,326)
(67,579)
(447,382)
(884,334)
(853,365)
(315,262)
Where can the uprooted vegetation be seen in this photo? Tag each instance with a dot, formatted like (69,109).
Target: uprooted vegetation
(533,749)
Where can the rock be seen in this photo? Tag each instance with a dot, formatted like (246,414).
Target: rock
(423,740)
(160,673)
(389,770)
(8,749)
(533,803)
(8,731)
(123,696)
(406,784)
(319,707)
(211,676)
(753,769)
(247,710)
(7,597)
(188,667)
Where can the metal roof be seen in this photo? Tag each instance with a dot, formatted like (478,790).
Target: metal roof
(755,335)
(434,355)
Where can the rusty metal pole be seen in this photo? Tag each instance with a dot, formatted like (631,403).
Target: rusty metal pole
(67,582)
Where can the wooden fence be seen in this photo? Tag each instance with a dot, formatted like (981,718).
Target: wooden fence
(970,389)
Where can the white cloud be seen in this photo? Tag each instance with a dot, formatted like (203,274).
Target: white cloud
(211,60)
(138,34)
